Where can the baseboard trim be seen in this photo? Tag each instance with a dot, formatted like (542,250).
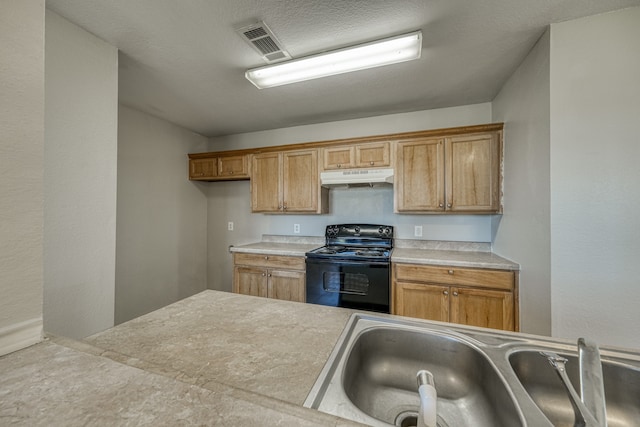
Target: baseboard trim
(20,335)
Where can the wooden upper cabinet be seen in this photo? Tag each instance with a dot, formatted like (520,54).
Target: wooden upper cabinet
(455,174)
(473,173)
(300,181)
(266,178)
(373,155)
(357,156)
(338,157)
(218,168)
(287,182)
(203,169)
(454,170)
(233,167)
(419,182)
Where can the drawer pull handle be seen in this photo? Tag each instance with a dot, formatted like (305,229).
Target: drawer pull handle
(450,272)
(266,258)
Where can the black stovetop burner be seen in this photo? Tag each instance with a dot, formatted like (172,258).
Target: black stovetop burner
(356,242)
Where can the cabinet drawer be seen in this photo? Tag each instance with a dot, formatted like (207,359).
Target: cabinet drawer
(495,279)
(270,261)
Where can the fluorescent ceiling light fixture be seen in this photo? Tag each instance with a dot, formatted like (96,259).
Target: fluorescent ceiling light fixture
(369,55)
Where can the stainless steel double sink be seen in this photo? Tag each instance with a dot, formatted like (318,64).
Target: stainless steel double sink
(482,378)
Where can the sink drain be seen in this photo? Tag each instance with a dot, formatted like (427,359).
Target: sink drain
(410,419)
(407,419)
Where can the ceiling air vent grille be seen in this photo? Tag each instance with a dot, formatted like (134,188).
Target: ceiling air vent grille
(263,41)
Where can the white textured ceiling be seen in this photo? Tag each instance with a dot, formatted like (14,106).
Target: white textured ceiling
(182,61)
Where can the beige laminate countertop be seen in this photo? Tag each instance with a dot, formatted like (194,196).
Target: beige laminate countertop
(215,358)
(473,259)
(456,254)
(276,248)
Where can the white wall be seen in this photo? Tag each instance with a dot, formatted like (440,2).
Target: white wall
(595,178)
(161,243)
(21,162)
(523,232)
(81,101)
(230,201)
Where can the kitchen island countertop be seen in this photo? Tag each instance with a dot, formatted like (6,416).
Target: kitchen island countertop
(214,358)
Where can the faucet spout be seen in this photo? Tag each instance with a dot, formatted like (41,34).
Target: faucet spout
(427,416)
(589,407)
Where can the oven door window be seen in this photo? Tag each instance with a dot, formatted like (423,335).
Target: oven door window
(345,282)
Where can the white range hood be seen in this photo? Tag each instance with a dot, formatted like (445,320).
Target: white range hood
(356,177)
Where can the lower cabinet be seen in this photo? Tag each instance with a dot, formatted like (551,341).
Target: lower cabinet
(269,276)
(476,297)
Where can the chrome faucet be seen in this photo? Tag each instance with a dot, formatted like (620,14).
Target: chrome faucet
(589,407)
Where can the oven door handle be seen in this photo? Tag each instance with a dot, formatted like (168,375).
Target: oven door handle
(347,262)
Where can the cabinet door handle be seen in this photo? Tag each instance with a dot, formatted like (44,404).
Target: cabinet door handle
(264,274)
(445,292)
(339,165)
(455,294)
(441,205)
(269,275)
(284,207)
(448,205)
(371,163)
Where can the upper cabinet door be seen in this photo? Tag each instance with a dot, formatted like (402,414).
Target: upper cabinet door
(300,181)
(373,155)
(233,167)
(419,184)
(266,178)
(338,157)
(202,169)
(473,173)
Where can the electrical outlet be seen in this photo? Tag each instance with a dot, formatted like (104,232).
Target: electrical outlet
(230,226)
(417,231)
(296,228)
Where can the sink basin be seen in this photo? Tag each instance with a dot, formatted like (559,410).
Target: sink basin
(379,378)
(621,387)
(371,377)
(482,377)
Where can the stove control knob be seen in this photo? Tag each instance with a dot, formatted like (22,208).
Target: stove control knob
(356,229)
(381,231)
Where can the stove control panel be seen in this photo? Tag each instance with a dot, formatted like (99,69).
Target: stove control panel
(359,230)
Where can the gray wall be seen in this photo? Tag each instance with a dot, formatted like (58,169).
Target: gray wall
(595,190)
(523,232)
(231,201)
(21,163)
(81,130)
(161,237)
